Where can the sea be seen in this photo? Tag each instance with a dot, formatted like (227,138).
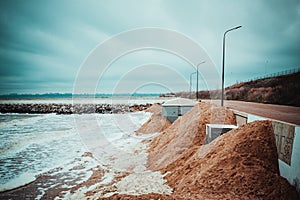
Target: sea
(33,144)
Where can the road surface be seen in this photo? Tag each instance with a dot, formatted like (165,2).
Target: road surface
(288,114)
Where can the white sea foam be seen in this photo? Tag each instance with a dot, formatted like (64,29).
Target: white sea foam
(143,183)
(19,181)
(37,144)
(34,145)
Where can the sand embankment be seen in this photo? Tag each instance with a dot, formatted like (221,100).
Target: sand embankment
(241,164)
(185,133)
(238,165)
(156,123)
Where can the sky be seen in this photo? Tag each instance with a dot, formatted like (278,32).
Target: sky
(46,45)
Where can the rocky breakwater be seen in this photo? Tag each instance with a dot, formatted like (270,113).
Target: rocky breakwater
(72,109)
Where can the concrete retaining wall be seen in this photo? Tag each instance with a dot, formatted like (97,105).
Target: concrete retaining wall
(173,112)
(288,148)
(241,117)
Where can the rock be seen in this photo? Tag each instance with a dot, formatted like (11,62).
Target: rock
(69,108)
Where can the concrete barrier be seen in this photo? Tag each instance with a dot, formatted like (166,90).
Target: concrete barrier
(241,117)
(215,130)
(288,147)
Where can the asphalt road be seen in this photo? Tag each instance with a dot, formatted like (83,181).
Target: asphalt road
(288,114)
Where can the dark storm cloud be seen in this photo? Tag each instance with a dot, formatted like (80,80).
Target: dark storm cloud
(43,43)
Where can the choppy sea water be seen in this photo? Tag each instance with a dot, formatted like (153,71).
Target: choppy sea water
(33,144)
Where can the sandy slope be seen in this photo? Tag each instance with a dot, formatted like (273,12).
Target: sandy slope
(156,123)
(186,132)
(241,164)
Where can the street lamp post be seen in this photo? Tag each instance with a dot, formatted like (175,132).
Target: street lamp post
(197,95)
(222,101)
(191,84)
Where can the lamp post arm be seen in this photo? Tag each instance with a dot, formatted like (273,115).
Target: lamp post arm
(232,29)
(223,61)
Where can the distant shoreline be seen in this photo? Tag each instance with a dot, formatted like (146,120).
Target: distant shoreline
(70,95)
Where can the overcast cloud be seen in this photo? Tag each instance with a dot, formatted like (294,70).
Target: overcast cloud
(44,43)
